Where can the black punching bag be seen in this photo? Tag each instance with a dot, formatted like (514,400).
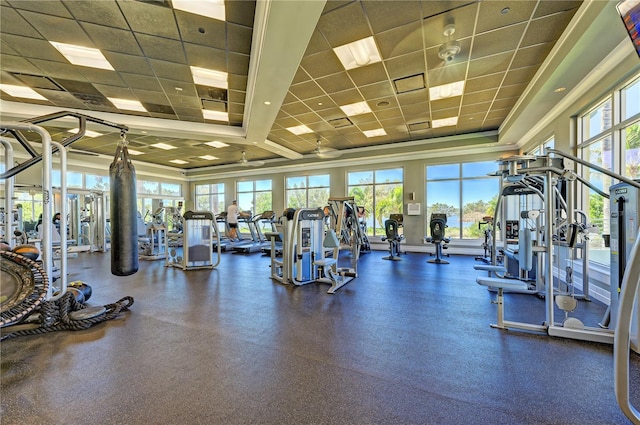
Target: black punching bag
(123,212)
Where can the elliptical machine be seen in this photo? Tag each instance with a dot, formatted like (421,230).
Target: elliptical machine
(437,226)
(391,227)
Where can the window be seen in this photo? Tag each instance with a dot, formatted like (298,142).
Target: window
(254,196)
(97,182)
(380,191)
(308,191)
(465,193)
(210,197)
(74,180)
(609,136)
(542,149)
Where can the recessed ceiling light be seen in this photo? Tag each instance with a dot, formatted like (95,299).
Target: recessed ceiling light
(375,133)
(216,144)
(266,102)
(163,146)
(83,56)
(359,53)
(22,92)
(209,77)
(215,115)
(179,161)
(135,152)
(383,103)
(209,8)
(356,108)
(444,122)
(87,133)
(208,157)
(505,10)
(560,89)
(127,104)
(300,129)
(446,90)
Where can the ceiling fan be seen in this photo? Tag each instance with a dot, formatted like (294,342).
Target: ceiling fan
(326,153)
(246,163)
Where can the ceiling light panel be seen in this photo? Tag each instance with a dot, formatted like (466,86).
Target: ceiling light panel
(22,92)
(163,146)
(215,115)
(216,144)
(446,90)
(209,77)
(209,8)
(83,56)
(300,129)
(134,152)
(208,157)
(444,122)
(375,133)
(127,104)
(179,161)
(356,108)
(359,53)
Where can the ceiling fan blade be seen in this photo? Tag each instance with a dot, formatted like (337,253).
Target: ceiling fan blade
(328,154)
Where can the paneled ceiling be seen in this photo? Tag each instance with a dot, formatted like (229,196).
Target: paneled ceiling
(282,71)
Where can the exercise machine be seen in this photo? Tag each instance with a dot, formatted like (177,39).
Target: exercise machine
(152,236)
(304,248)
(437,226)
(392,235)
(199,231)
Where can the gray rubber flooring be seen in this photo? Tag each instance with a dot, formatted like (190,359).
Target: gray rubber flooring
(405,343)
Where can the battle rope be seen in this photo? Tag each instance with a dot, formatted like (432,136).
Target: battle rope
(49,316)
(54,316)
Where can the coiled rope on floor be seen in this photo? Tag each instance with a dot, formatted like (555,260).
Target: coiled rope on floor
(54,316)
(27,313)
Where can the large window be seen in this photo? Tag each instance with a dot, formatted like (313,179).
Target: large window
(609,137)
(255,196)
(380,193)
(210,197)
(465,193)
(308,191)
(542,148)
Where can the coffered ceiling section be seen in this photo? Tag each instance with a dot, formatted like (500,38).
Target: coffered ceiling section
(276,73)
(437,68)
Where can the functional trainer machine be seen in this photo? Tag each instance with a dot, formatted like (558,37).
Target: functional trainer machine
(437,226)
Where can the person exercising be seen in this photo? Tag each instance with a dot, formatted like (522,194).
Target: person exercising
(232,219)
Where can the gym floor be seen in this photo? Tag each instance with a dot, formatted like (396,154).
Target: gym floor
(405,343)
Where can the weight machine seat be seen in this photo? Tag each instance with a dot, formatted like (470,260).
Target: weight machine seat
(325,262)
(490,268)
(497,282)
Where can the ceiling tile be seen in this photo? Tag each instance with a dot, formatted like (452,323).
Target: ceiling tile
(239,38)
(462,14)
(319,103)
(105,13)
(491,14)
(510,91)
(416,96)
(489,65)
(153,97)
(346,97)
(498,41)
(317,43)
(129,63)
(151,19)
(386,15)
(33,48)
(237,63)
(51,7)
(201,30)
(369,74)
(321,64)
(306,90)
(377,90)
(446,74)
(113,91)
(206,57)
(241,12)
(18,64)
(505,103)
(161,48)
(532,55)
(335,83)
(484,83)
(549,7)
(12,22)
(102,76)
(113,39)
(548,28)
(54,28)
(296,108)
(344,26)
(178,101)
(402,40)
(171,71)
(520,75)
(301,75)
(448,103)
(417,111)
(406,65)
(479,97)
(475,109)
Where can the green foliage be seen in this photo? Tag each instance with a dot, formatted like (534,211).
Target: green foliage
(596,206)
(263,202)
